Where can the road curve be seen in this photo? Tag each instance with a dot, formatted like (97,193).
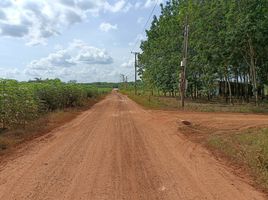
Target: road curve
(116,151)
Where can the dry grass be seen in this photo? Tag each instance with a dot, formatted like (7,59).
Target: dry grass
(248,148)
(171,103)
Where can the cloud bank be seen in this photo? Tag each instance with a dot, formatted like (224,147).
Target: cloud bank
(78,61)
(36,21)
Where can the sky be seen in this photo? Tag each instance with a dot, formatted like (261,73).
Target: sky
(82,40)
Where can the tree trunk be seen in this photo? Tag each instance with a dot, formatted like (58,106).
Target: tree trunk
(225,90)
(247,88)
(230,91)
(253,70)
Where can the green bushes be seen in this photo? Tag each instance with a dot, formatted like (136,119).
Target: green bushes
(17,104)
(21,102)
(57,95)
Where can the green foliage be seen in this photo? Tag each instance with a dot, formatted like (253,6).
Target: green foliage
(228,42)
(21,102)
(17,103)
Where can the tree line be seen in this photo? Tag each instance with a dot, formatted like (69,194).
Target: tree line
(228,49)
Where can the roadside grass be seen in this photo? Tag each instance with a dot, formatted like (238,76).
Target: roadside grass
(248,148)
(10,138)
(172,103)
(146,101)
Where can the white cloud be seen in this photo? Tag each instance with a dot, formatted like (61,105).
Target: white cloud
(61,58)
(89,55)
(107,27)
(128,64)
(78,61)
(118,6)
(36,21)
(78,52)
(81,62)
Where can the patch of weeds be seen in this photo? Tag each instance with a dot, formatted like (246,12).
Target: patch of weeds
(249,147)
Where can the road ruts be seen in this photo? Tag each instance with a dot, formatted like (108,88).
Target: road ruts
(115,151)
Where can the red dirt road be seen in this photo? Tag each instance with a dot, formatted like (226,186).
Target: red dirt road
(116,151)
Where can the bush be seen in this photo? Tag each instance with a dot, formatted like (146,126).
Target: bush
(21,102)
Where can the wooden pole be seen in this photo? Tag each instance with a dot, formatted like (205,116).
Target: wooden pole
(136,65)
(184,63)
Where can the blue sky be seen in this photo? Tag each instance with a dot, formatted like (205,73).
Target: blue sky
(83,40)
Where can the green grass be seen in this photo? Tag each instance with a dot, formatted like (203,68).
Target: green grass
(172,103)
(146,100)
(249,148)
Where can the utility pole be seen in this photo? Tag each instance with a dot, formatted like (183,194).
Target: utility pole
(124,80)
(136,64)
(184,63)
(123,77)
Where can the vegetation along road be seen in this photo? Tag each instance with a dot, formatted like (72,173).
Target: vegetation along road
(117,150)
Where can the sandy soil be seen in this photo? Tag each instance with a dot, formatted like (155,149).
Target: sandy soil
(117,150)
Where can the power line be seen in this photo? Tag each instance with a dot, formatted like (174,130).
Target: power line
(144,27)
(148,20)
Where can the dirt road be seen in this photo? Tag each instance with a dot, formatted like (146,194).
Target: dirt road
(114,151)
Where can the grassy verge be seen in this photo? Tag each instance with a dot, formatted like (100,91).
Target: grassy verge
(249,148)
(146,101)
(10,138)
(172,103)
